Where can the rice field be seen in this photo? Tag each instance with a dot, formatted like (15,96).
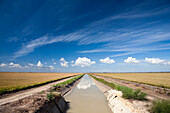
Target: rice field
(10,81)
(157,79)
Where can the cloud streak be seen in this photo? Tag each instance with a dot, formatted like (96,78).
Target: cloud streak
(114,33)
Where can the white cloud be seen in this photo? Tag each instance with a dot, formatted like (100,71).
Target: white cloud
(14,65)
(72,63)
(17,65)
(107,60)
(30,64)
(156,61)
(39,64)
(54,62)
(130,60)
(51,67)
(63,62)
(84,62)
(3,65)
(11,64)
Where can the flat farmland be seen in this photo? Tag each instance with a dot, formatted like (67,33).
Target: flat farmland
(157,79)
(16,81)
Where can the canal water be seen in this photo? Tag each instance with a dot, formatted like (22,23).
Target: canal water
(87,98)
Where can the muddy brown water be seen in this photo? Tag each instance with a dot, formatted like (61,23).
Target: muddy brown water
(87,98)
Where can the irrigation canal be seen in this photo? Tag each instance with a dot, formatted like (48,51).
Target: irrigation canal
(87,98)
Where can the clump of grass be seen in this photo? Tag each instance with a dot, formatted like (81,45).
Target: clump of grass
(141,96)
(50,96)
(160,106)
(128,93)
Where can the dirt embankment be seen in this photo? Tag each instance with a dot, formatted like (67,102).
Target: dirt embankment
(38,101)
(119,104)
(153,92)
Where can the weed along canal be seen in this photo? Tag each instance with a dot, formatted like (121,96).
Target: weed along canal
(87,98)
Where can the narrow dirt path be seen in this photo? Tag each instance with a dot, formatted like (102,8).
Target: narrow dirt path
(28,92)
(151,94)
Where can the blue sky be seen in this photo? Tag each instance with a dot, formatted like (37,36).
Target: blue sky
(85,35)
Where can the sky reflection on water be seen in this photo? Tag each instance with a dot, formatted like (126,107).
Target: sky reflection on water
(85,83)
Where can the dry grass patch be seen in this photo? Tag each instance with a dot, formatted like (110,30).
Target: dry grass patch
(157,79)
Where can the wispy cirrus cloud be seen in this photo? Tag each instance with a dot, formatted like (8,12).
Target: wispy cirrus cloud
(114,32)
(44,40)
(115,41)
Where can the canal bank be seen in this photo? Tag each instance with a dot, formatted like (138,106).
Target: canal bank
(119,104)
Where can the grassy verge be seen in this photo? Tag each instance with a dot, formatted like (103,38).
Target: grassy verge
(19,88)
(62,84)
(160,106)
(128,93)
